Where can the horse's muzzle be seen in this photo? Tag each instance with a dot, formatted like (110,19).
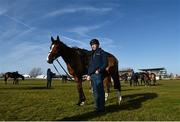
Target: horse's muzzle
(50,61)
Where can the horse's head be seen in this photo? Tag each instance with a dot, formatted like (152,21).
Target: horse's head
(54,52)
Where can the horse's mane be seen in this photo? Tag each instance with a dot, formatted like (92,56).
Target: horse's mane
(14,73)
(81,51)
(77,49)
(83,54)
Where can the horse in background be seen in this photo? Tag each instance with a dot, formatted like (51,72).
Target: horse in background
(144,78)
(134,79)
(14,75)
(152,77)
(77,61)
(124,77)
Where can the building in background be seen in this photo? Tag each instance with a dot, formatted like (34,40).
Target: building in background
(160,72)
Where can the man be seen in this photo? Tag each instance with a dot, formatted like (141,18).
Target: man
(97,65)
(49,77)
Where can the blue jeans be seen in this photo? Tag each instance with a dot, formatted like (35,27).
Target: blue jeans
(98,91)
(49,83)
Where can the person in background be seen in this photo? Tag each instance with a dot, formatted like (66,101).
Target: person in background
(49,77)
(97,65)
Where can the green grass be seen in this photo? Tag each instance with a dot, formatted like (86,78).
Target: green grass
(30,100)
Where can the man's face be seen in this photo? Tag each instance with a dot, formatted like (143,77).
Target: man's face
(94,46)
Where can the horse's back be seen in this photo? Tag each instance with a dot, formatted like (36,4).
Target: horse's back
(112,61)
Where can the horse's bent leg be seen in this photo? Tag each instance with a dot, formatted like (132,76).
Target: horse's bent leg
(81,94)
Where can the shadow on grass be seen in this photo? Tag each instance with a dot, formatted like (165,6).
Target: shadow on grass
(27,88)
(39,87)
(130,102)
(130,89)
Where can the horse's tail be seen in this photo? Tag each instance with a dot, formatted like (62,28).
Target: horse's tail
(114,72)
(115,76)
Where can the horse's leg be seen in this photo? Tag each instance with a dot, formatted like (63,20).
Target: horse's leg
(17,82)
(145,82)
(149,81)
(135,81)
(107,81)
(138,82)
(90,87)
(117,85)
(5,79)
(154,80)
(130,82)
(81,93)
(141,81)
(14,80)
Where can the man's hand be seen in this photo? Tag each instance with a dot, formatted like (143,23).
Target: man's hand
(88,77)
(97,71)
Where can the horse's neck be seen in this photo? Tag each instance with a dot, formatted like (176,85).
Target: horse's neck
(67,54)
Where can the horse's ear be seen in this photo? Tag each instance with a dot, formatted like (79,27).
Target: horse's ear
(52,39)
(58,38)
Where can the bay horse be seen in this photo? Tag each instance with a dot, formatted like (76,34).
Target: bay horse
(77,61)
(14,75)
(144,78)
(124,77)
(152,77)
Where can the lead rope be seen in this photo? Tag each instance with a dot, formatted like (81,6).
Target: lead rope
(63,69)
(56,70)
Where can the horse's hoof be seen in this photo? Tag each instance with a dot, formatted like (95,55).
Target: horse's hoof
(80,103)
(106,96)
(119,100)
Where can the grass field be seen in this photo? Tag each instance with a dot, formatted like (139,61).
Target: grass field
(30,100)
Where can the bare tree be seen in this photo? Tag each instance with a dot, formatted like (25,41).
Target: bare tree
(35,72)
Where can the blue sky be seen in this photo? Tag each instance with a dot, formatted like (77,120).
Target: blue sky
(140,33)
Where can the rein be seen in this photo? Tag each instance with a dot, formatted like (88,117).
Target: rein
(56,69)
(62,68)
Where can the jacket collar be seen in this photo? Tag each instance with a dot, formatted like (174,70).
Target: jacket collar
(97,50)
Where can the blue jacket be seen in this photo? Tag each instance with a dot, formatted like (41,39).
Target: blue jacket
(49,74)
(98,60)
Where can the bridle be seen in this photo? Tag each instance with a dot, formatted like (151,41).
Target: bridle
(59,65)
